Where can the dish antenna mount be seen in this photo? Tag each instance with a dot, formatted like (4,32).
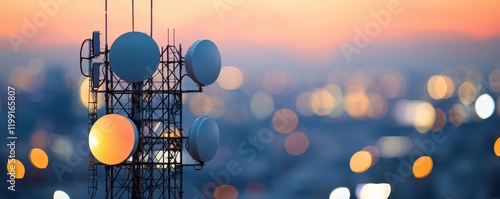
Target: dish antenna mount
(143,89)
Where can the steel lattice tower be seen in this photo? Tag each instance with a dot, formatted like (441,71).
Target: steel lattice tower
(155,106)
(155,170)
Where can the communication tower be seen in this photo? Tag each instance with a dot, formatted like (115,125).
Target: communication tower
(144,84)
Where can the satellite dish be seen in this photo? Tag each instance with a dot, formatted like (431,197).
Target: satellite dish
(203,62)
(203,139)
(134,56)
(191,137)
(113,139)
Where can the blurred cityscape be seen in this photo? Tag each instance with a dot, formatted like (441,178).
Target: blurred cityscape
(291,132)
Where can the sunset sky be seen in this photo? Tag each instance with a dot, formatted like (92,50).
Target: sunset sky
(372,65)
(313,29)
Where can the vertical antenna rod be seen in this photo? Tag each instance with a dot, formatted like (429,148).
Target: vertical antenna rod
(106,27)
(132,15)
(151,26)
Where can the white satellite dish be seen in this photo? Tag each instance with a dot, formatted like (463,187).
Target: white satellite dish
(203,62)
(134,56)
(203,139)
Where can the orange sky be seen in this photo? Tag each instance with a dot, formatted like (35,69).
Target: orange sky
(315,25)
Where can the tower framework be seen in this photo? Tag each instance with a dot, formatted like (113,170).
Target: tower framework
(155,106)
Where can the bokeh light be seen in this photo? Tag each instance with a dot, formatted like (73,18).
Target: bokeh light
(226,192)
(113,138)
(420,114)
(359,82)
(59,144)
(340,193)
(494,80)
(373,152)
(425,116)
(296,143)
(433,86)
(378,106)
(457,115)
(230,78)
(200,104)
(218,107)
(357,104)
(61,195)
(360,161)
(285,121)
(393,85)
(336,92)
(84,94)
(440,87)
(17,166)
(302,104)
(322,102)
(440,120)
(373,191)
(422,167)
(496,148)
(261,105)
(39,158)
(338,97)
(485,106)
(394,146)
(467,93)
(403,112)
(450,87)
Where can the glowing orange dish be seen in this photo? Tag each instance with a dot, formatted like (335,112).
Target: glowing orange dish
(113,138)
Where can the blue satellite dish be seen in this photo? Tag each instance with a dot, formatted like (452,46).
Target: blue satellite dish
(203,62)
(134,56)
(203,139)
